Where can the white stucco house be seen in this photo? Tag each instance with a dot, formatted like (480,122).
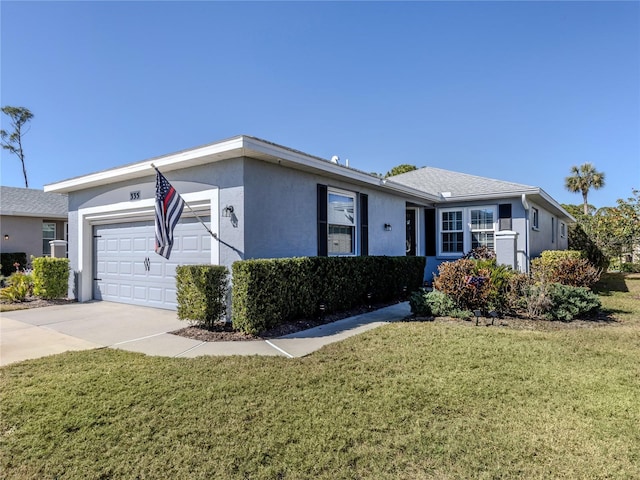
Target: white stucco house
(263,200)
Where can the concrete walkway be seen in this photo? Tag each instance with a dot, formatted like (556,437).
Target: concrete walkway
(37,332)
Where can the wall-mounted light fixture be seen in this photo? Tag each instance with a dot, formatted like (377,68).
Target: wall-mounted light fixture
(387,227)
(227,211)
(6,237)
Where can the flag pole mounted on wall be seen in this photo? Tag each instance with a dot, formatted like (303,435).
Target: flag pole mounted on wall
(169,206)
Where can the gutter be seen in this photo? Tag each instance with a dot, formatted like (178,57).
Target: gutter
(527,226)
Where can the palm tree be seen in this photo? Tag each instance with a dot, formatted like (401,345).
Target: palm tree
(582,179)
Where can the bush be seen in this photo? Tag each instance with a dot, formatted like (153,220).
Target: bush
(20,286)
(481,253)
(629,267)
(555,301)
(201,293)
(269,292)
(572,271)
(569,302)
(475,284)
(50,277)
(516,292)
(8,261)
(435,304)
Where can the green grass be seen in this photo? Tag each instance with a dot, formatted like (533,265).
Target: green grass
(408,400)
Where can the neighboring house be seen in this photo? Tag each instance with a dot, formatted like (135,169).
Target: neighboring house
(30,219)
(261,200)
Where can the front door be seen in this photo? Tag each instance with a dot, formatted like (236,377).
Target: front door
(411,232)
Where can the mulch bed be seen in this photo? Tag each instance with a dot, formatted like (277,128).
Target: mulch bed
(525,323)
(223,332)
(35,302)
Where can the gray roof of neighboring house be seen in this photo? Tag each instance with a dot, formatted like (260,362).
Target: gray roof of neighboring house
(28,202)
(438,181)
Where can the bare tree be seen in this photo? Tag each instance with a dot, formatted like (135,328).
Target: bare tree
(13,141)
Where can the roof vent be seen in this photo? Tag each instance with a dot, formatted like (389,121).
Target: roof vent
(335,159)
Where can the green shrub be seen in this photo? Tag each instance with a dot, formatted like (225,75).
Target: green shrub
(8,261)
(629,267)
(555,301)
(435,304)
(269,292)
(50,277)
(475,284)
(551,256)
(19,287)
(201,293)
(576,272)
(569,302)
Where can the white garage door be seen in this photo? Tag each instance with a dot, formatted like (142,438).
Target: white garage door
(127,269)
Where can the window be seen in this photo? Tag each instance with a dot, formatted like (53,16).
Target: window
(553,230)
(464,229)
(451,231)
(535,218)
(563,230)
(482,229)
(48,234)
(341,220)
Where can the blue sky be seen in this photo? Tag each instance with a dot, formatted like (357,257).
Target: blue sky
(518,91)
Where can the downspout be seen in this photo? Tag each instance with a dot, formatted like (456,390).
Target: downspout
(525,204)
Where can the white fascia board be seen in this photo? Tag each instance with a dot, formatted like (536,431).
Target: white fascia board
(234,147)
(174,161)
(548,198)
(489,197)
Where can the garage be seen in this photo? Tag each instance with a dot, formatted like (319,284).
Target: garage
(127,269)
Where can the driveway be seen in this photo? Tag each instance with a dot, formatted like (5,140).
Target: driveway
(37,332)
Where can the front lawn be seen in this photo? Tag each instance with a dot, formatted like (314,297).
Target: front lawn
(408,400)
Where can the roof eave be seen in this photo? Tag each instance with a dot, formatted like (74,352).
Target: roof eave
(512,194)
(241,146)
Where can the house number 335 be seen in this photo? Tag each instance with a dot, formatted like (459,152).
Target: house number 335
(134,195)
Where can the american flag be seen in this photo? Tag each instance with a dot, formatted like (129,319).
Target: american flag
(169,207)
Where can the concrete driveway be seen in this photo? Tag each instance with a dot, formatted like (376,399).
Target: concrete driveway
(37,332)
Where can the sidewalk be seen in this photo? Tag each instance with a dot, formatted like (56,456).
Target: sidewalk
(34,333)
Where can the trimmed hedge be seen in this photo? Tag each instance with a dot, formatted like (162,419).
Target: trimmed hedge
(50,277)
(269,292)
(201,292)
(8,259)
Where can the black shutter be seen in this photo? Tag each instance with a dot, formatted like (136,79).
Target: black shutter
(504,216)
(322,221)
(430,232)
(364,224)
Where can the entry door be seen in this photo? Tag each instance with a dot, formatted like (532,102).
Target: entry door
(127,269)
(411,232)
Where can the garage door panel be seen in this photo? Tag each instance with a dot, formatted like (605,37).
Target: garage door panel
(155,294)
(140,292)
(129,270)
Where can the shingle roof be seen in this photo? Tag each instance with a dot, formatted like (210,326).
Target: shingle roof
(28,202)
(438,181)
